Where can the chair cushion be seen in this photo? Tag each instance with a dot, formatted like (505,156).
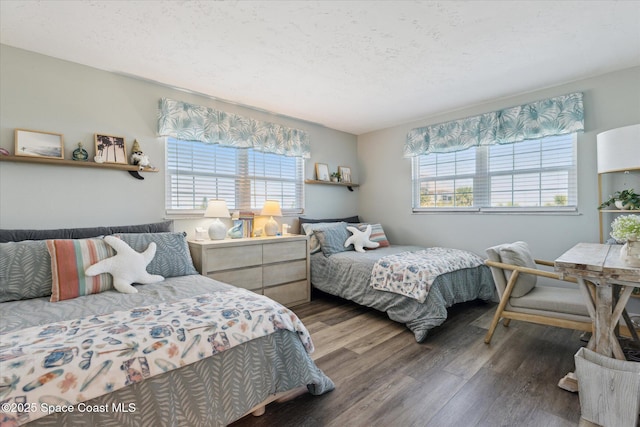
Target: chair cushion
(518,253)
(553,299)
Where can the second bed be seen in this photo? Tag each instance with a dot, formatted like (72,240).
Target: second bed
(348,274)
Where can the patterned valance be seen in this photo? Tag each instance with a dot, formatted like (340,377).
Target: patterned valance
(197,123)
(554,116)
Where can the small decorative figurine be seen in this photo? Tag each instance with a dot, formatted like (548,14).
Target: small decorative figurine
(138,157)
(80,153)
(235,232)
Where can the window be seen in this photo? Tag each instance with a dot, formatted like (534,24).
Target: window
(244,178)
(532,175)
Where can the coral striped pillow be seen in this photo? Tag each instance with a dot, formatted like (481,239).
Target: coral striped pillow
(377,234)
(69,259)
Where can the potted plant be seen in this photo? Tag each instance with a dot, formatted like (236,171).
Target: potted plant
(626,228)
(625,199)
(335,176)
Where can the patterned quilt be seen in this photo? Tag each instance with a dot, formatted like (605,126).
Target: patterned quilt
(412,273)
(51,367)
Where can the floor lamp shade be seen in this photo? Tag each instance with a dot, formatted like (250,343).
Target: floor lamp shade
(217,209)
(619,149)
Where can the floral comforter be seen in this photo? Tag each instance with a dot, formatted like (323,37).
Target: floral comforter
(51,367)
(412,273)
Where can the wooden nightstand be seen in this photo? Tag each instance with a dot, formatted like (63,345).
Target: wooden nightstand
(277,267)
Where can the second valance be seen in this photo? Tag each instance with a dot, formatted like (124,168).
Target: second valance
(554,116)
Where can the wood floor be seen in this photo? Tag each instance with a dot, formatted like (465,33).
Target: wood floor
(384,378)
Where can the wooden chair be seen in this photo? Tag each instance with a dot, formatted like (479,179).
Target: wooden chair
(560,306)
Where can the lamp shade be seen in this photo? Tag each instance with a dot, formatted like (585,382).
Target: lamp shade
(271,208)
(619,149)
(217,209)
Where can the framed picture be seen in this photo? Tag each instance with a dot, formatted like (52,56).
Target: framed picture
(110,149)
(34,143)
(345,173)
(322,172)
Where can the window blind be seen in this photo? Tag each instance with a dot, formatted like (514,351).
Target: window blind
(532,175)
(244,178)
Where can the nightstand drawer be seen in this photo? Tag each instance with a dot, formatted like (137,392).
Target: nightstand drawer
(286,272)
(233,257)
(284,251)
(297,292)
(248,278)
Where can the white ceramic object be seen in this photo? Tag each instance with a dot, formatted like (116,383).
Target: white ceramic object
(630,253)
(217,230)
(621,206)
(271,227)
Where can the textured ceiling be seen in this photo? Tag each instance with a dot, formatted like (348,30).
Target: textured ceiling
(355,66)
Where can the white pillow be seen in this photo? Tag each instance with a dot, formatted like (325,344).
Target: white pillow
(360,239)
(518,253)
(127,266)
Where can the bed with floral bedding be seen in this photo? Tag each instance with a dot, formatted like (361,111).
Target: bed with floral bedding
(413,285)
(185,351)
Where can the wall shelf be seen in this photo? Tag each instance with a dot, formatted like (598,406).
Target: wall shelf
(349,185)
(76,163)
(601,219)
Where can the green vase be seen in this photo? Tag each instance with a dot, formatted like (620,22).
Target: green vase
(80,153)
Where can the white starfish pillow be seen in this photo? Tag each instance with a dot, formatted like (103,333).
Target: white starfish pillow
(127,266)
(360,239)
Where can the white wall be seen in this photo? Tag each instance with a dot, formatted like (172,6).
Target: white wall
(610,101)
(42,93)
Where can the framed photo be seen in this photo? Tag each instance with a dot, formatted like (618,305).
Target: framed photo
(34,143)
(111,149)
(345,173)
(322,172)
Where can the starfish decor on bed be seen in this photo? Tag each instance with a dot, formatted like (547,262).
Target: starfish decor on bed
(127,266)
(361,239)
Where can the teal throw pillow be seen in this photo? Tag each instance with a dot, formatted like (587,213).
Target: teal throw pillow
(25,270)
(172,258)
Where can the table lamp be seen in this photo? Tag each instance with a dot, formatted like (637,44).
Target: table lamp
(271,208)
(217,209)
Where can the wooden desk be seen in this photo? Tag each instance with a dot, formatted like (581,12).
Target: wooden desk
(597,267)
